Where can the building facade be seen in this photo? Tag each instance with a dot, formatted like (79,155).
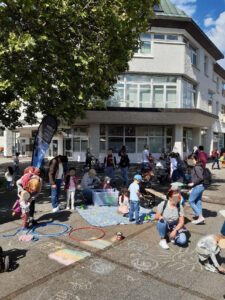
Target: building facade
(171,98)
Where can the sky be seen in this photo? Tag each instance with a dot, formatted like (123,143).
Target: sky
(210,17)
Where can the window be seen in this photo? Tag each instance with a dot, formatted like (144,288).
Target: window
(217,108)
(193,54)
(217,84)
(185,41)
(187,140)
(172,37)
(171,96)
(206,63)
(115,130)
(189,95)
(1,132)
(145,44)
(159,36)
(210,101)
(223,89)
(156,139)
(157,96)
(223,113)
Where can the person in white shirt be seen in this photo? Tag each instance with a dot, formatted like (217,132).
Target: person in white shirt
(89,182)
(135,196)
(9,177)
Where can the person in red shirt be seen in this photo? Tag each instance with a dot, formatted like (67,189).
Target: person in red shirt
(215,156)
(202,156)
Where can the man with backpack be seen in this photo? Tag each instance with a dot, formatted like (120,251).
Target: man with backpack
(215,156)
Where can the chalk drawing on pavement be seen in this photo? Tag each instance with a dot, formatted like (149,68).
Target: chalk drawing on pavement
(101,267)
(143,262)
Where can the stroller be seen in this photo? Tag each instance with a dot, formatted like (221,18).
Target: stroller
(162,174)
(148,200)
(4,262)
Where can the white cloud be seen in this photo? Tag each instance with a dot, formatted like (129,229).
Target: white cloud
(216,33)
(188,6)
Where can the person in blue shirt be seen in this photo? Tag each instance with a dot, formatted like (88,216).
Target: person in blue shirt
(135,196)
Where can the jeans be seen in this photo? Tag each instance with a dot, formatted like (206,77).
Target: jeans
(124,172)
(55,193)
(216,160)
(16,170)
(195,199)
(180,238)
(8,185)
(87,193)
(32,208)
(223,229)
(134,207)
(110,173)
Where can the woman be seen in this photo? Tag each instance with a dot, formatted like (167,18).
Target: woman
(170,214)
(195,197)
(124,165)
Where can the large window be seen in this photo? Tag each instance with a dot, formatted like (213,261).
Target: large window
(187,140)
(210,102)
(75,140)
(193,54)
(189,95)
(145,91)
(145,44)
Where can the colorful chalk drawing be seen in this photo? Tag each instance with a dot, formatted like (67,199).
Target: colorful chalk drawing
(179,259)
(143,262)
(67,256)
(99,244)
(101,267)
(136,245)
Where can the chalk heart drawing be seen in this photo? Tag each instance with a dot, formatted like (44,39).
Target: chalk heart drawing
(138,246)
(101,267)
(179,259)
(143,262)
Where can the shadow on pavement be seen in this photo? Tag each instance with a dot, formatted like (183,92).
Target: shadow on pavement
(14,256)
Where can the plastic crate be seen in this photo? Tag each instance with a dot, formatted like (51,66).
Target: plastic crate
(105,198)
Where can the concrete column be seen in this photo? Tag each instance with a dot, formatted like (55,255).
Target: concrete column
(178,140)
(196,137)
(60,145)
(8,142)
(94,135)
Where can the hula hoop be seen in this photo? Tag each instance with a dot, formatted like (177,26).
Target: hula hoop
(94,239)
(68,228)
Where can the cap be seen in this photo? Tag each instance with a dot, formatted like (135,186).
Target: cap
(138,177)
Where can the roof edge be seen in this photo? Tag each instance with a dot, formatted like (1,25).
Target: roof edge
(219,70)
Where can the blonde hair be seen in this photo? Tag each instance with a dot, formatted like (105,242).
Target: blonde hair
(33,185)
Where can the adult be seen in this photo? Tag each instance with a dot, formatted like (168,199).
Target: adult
(173,164)
(88,157)
(195,150)
(123,148)
(170,216)
(202,156)
(215,156)
(110,163)
(145,157)
(32,183)
(16,164)
(89,182)
(195,197)
(56,174)
(124,165)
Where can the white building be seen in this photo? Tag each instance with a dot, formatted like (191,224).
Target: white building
(172,97)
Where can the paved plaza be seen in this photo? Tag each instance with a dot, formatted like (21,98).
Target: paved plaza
(134,268)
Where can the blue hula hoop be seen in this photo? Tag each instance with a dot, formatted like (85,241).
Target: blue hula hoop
(68,229)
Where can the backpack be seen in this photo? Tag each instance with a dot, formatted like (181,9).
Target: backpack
(181,165)
(28,173)
(207,177)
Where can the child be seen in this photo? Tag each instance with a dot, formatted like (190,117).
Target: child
(207,248)
(106,183)
(135,196)
(9,177)
(71,184)
(25,208)
(16,164)
(123,202)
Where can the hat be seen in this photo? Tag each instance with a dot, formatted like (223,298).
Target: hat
(92,172)
(138,177)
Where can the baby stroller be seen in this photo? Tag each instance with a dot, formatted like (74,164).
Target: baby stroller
(4,262)
(162,174)
(148,200)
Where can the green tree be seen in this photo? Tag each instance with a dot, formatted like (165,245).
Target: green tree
(62,57)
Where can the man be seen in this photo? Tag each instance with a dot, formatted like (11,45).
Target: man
(145,157)
(56,174)
(202,156)
(89,182)
(215,156)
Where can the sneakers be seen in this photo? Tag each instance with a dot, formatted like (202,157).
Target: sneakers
(210,267)
(172,241)
(67,208)
(164,244)
(56,209)
(61,207)
(198,221)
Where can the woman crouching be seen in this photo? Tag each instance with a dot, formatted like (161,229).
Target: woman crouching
(170,216)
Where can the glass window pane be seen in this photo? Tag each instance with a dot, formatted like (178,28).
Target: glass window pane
(115,130)
(145,36)
(159,79)
(138,78)
(115,144)
(76,144)
(172,37)
(130,130)
(159,36)
(102,144)
(142,131)
(145,47)
(132,95)
(68,144)
(130,145)
(144,96)
(156,131)
(119,92)
(157,96)
(66,132)
(83,131)
(169,131)
(84,145)
(102,130)
(171,97)
(140,144)
(155,144)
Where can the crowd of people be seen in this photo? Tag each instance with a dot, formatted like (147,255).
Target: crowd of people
(190,172)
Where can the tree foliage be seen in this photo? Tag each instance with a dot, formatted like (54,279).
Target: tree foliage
(61,57)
